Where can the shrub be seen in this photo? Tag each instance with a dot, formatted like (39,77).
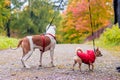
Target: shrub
(6,42)
(111,37)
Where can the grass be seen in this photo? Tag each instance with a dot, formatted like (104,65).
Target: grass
(6,42)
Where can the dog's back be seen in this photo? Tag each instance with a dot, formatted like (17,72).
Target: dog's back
(88,57)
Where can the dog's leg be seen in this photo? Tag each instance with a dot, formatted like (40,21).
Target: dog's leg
(77,60)
(41,53)
(80,62)
(80,66)
(89,66)
(74,64)
(92,66)
(51,55)
(25,58)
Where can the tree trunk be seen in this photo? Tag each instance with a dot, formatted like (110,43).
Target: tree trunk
(8,28)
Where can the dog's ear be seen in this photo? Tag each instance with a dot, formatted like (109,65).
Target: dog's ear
(97,49)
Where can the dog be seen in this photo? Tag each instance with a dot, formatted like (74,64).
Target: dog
(43,42)
(87,58)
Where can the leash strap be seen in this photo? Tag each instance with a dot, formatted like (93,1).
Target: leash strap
(91,24)
(54,15)
(43,40)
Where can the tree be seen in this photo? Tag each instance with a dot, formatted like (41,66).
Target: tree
(34,18)
(76,19)
(4,15)
(17,5)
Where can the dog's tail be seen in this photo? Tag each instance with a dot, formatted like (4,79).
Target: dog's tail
(17,45)
(78,49)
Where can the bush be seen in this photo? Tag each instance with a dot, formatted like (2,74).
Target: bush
(111,37)
(6,42)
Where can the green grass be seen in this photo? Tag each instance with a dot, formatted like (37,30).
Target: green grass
(6,42)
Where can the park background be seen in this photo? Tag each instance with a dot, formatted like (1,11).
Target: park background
(20,18)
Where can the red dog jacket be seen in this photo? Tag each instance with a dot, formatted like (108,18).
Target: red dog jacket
(88,57)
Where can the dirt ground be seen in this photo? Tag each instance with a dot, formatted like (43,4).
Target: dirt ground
(12,69)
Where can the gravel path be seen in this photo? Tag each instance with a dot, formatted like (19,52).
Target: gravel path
(11,67)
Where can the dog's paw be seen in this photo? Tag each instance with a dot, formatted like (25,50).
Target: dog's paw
(72,69)
(53,65)
(28,67)
(39,68)
(91,70)
(40,65)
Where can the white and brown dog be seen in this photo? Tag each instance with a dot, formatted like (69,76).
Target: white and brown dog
(87,58)
(43,42)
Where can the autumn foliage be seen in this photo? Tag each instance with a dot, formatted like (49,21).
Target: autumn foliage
(7,3)
(76,24)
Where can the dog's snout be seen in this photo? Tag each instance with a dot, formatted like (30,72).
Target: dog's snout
(101,55)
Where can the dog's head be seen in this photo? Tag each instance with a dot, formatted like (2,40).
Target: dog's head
(98,53)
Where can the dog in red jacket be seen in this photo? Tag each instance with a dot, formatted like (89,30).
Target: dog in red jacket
(87,58)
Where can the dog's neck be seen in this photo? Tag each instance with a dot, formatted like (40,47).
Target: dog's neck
(95,54)
(51,31)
